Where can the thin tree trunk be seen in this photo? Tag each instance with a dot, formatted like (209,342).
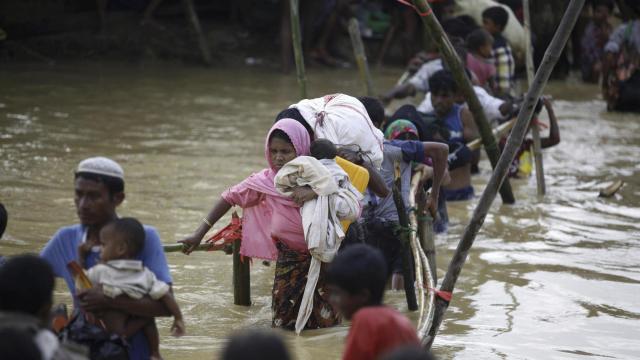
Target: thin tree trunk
(535,130)
(407,259)
(551,56)
(297,47)
(360,56)
(192,15)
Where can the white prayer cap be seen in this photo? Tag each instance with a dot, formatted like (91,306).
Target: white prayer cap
(102,166)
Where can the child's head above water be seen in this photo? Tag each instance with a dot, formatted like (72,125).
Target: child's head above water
(121,239)
(480,42)
(323,149)
(357,277)
(495,19)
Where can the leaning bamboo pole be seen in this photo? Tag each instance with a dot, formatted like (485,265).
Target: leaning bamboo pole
(535,130)
(499,131)
(404,235)
(449,56)
(518,133)
(296,37)
(360,56)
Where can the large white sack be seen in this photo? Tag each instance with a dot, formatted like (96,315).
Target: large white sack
(343,120)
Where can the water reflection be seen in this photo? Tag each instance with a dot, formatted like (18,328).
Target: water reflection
(550,278)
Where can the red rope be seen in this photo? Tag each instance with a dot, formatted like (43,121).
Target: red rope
(444,295)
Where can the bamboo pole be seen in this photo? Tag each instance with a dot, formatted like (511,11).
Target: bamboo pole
(426,235)
(178,247)
(241,277)
(433,27)
(294,10)
(360,56)
(535,130)
(407,260)
(192,15)
(499,131)
(518,133)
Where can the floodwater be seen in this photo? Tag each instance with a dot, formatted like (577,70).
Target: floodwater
(552,278)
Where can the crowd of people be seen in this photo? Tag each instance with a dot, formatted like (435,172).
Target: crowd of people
(333,233)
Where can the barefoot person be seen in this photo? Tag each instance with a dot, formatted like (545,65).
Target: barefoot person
(272,228)
(99,190)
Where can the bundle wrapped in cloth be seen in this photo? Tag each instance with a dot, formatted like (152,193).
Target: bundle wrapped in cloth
(343,120)
(337,200)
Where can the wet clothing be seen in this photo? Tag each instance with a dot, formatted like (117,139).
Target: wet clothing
(465,193)
(522,164)
(453,122)
(288,287)
(380,215)
(483,69)
(128,277)
(267,214)
(63,248)
(505,65)
(377,330)
(420,80)
(403,152)
(490,104)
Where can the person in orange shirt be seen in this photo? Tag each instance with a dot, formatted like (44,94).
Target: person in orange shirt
(357,278)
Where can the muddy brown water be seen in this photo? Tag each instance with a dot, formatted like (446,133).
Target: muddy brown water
(552,278)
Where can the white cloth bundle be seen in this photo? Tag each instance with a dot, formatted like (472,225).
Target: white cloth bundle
(343,120)
(337,200)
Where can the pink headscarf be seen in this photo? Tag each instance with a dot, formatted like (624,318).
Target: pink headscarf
(257,220)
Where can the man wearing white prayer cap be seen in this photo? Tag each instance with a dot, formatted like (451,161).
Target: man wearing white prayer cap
(99,190)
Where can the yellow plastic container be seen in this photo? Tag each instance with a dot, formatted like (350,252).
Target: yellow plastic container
(359,178)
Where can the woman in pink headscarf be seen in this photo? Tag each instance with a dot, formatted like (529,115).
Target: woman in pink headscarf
(272,228)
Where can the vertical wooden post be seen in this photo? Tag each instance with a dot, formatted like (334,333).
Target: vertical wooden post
(433,27)
(426,235)
(241,278)
(297,47)
(360,56)
(535,131)
(518,133)
(407,259)
(192,16)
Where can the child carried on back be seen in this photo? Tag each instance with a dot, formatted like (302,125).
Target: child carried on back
(120,274)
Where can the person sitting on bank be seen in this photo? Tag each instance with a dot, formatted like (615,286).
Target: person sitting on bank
(99,190)
(119,273)
(357,279)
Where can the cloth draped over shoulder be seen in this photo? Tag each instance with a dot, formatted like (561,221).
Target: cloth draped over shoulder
(260,201)
(343,120)
(337,200)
